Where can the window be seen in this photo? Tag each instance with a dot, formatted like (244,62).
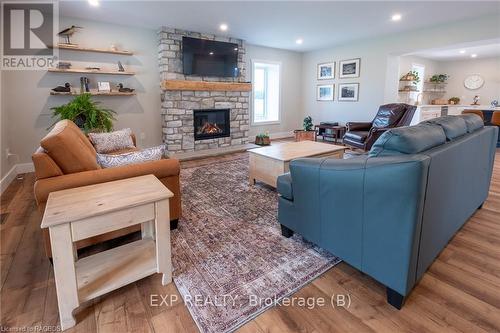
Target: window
(420,69)
(266,92)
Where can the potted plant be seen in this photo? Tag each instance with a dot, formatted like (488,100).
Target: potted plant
(439,78)
(86,114)
(307,133)
(263,139)
(454,100)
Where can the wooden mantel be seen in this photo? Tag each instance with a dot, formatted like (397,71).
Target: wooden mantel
(205,85)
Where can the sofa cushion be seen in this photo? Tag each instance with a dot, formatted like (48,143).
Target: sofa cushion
(284,186)
(69,148)
(453,126)
(473,122)
(408,140)
(357,135)
(108,142)
(142,156)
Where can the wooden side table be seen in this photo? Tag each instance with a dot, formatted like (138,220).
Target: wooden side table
(79,213)
(337,132)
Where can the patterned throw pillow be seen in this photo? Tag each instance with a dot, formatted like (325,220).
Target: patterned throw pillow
(145,155)
(108,142)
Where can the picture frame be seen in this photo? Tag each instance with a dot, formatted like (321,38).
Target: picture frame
(348,92)
(103,86)
(326,71)
(349,68)
(325,92)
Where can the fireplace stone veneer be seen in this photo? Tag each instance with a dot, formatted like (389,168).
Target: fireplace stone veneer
(177,107)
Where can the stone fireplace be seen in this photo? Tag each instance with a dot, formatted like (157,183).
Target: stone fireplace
(228,109)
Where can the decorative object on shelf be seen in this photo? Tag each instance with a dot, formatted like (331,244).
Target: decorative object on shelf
(325,92)
(120,67)
(454,100)
(439,101)
(475,100)
(68,32)
(121,88)
(86,114)
(494,103)
(113,47)
(348,92)
(349,68)
(90,68)
(63,65)
(65,88)
(473,82)
(411,76)
(439,78)
(103,86)
(263,139)
(326,71)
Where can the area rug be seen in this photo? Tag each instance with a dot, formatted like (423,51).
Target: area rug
(230,261)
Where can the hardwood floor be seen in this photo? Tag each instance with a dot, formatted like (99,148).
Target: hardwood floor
(460,292)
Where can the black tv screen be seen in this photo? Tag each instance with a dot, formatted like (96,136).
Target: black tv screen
(209,58)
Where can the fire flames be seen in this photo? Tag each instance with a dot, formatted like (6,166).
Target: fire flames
(209,128)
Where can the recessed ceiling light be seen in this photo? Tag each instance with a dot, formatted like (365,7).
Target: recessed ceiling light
(211,53)
(462,51)
(94,3)
(299,41)
(223,27)
(396,17)
(473,55)
(236,49)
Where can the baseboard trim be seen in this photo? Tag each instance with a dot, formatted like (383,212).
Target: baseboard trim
(13,172)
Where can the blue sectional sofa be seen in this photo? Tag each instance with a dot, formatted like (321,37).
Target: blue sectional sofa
(390,213)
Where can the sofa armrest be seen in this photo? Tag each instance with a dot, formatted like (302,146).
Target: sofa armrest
(373,136)
(161,169)
(284,186)
(359,126)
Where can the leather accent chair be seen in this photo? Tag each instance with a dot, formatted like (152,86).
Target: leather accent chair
(364,134)
(477,112)
(67,159)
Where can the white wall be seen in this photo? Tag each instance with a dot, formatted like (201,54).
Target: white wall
(379,77)
(488,68)
(291,99)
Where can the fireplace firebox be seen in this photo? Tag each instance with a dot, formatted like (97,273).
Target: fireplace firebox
(211,123)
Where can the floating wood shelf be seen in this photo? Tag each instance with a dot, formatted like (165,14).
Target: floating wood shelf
(89,71)
(205,85)
(90,49)
(93,93)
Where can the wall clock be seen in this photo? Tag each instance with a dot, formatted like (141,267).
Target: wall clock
(473,82)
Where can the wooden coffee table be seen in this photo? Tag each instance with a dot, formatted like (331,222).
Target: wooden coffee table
(267,163)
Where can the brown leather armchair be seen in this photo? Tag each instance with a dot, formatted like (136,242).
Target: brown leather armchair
(67,159)
(364,134)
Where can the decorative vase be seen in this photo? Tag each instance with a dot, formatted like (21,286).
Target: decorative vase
(262,141)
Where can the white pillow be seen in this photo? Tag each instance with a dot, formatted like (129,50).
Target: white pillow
(145,155)
(108,142)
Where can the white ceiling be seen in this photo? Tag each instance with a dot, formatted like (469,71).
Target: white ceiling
(487,50)
(278,24)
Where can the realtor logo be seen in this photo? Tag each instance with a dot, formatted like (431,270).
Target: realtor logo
(28,34)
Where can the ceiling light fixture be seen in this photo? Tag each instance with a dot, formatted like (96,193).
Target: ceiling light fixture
(211,53)
(299,41)
(473,55)
(94,3)
(462,51)
(223,27)
(396,17)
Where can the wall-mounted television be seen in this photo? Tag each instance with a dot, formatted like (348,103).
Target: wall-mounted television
(209,58)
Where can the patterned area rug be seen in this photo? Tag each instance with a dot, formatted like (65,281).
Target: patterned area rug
(230,260)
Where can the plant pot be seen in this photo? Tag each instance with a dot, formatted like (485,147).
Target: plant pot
(301,135)
(262,141)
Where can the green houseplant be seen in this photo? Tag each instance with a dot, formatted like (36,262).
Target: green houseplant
(454,100)
(263,139)
(439,78)
(86,114)
(307,133)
